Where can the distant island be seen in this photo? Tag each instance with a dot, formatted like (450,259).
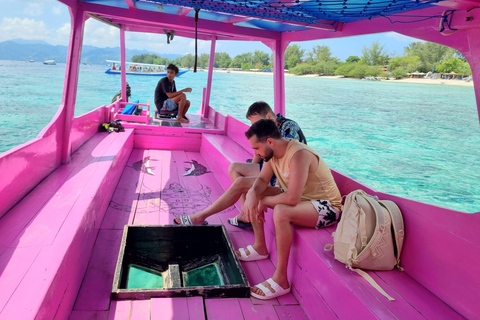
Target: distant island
(26,50)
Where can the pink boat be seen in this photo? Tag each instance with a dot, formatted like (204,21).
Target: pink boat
(66,196)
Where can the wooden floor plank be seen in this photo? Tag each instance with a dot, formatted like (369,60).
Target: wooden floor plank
(290,312)
(215,190)
(148,206)
(177,308)
(196,308)
(169,308)
(167,197)
(221,309)
(196,181)
(88,315)
(257,311)
(120,310)
(121,209)
(140,310)
(96,287)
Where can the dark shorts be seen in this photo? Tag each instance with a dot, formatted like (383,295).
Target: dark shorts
(169,105)
(327,214)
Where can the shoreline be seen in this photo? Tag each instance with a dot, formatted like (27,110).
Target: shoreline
(403,80)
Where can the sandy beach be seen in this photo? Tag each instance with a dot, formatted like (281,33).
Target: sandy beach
(404,80)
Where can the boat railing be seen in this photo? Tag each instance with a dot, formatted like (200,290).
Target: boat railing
(119,106)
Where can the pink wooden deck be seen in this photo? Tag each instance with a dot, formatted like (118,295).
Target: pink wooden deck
(155,195)
(322,287)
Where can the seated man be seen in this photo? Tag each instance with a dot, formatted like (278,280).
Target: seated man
(168,98)
(309,197)
(244,174)
(288,129)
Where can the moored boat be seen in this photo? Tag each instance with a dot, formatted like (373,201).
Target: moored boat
(49,62)
(139,69)
(62,228)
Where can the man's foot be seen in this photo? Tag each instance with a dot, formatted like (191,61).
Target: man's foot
(188,221)
(181,120)
(250,254)
(237,223)
(269,289)
(186,118)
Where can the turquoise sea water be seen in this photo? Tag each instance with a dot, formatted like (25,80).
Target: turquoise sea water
(417,141)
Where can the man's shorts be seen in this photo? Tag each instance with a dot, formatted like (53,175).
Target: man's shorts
(327,214)
(169,105)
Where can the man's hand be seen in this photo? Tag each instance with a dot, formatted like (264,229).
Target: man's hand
(250,206)
(187,90)
(261,209)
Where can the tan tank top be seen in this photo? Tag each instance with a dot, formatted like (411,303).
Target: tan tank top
(320,183)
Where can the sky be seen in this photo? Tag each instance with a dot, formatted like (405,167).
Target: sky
(49,21)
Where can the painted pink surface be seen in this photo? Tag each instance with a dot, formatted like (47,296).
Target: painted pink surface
(39,157)
(59,266)
(177,308)
(86,126)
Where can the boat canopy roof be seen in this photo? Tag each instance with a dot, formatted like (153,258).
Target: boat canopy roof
(261,19)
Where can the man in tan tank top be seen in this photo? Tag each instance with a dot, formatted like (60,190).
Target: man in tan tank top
(308,197)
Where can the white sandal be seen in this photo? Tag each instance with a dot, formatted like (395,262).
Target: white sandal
(279,291)
(253,256)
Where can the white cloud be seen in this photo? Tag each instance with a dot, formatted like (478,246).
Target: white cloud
(63,34)
(400,37)
(28,29)
(33,9)
(100,35)
(58,10)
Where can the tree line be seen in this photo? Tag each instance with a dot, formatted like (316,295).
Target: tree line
(374,62)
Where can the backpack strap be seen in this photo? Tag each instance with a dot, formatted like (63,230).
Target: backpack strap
(397,226)
(374,284)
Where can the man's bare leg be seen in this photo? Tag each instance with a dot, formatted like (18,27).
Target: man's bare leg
(181,101)
(243,169)
(238,187)
(303,214)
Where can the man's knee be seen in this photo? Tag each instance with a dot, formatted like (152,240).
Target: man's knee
(241,184)
(233,169)
(281,214)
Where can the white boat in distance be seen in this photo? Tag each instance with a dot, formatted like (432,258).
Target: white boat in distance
(141,69)
(49,62)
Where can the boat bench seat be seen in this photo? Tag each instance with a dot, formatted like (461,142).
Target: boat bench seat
(325,287)
(47,238)
(220,151)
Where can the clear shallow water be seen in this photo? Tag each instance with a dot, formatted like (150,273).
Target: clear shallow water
(416,141)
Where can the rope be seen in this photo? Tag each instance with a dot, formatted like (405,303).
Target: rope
(196,55)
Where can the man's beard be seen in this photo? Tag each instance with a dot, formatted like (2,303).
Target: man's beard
(268,154)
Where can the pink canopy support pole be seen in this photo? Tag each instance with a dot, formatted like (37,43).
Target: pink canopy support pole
(473,36)
(78,17)
(209,79)
(122,58)
(278,48)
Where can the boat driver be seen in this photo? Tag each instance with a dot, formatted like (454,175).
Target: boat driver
(168,98)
